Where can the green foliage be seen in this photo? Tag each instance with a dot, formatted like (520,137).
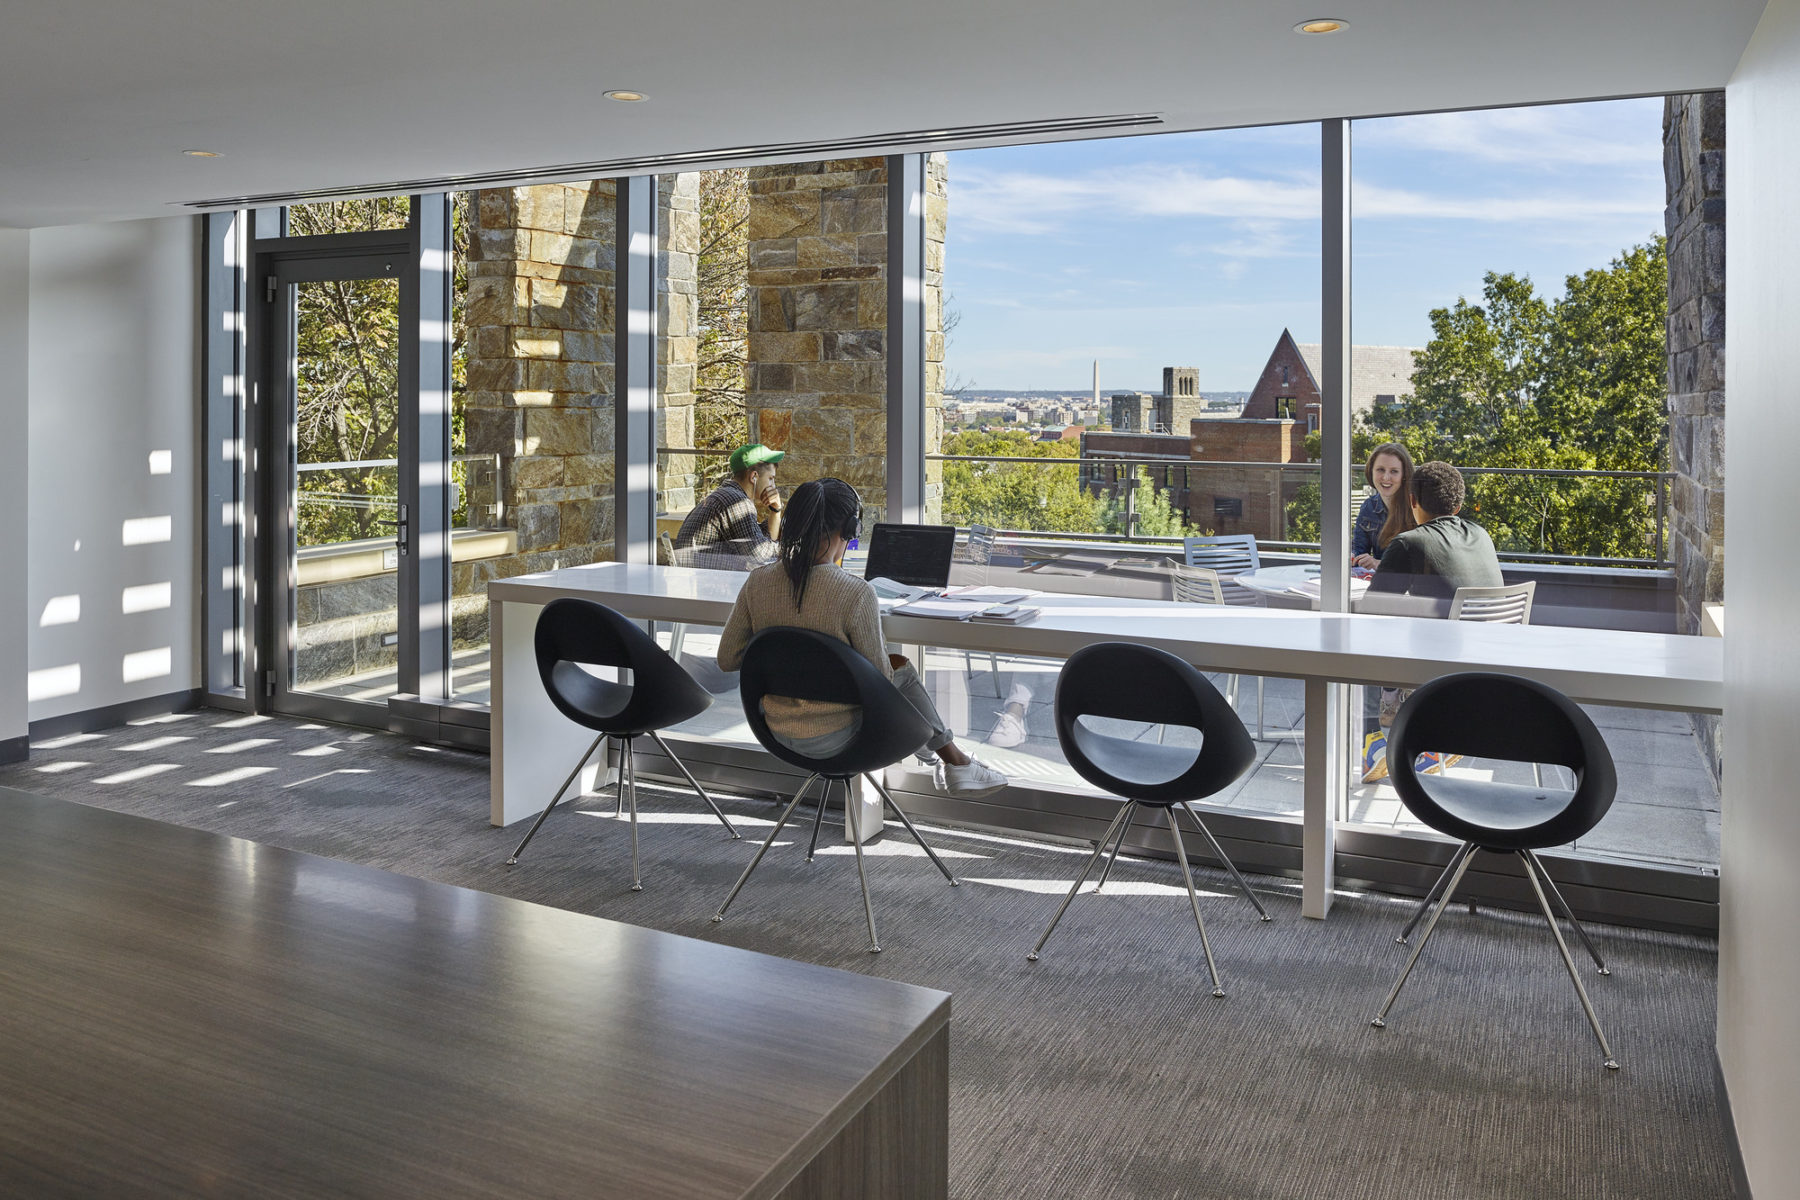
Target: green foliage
(1156,517)
(1028,497)
(1017,495)
(722,310)
(1575,383)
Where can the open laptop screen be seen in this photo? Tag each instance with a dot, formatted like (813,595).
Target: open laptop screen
(913,554)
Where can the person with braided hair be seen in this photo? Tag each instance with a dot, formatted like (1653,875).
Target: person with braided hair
(806,587)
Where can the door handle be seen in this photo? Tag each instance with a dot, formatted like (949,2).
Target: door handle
(402,528)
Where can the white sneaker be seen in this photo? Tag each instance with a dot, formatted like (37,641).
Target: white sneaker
(974,778)
(1009,730)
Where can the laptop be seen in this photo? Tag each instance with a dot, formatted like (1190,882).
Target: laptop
(916,555)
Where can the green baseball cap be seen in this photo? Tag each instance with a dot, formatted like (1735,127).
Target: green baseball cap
(746,457)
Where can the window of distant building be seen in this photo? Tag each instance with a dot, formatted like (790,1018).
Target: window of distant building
(1228,507)
(1284,405)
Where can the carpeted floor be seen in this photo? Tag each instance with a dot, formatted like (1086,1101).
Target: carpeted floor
(1103,1070)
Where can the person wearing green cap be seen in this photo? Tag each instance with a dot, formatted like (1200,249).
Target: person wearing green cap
(723,529)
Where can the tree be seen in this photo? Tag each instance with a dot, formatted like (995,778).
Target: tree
(1018,495)
(1576,383)
(722,310)
(1155,516)
(347,387)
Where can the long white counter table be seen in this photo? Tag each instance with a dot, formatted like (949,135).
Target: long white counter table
(533,744)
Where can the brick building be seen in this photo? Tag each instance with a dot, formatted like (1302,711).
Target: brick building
(1283,408)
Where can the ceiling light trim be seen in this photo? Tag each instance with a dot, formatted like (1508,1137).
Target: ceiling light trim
(911,141)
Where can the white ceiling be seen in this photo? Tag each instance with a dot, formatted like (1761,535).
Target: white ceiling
(99,97)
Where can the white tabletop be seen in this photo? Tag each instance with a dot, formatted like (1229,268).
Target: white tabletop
(1596,666)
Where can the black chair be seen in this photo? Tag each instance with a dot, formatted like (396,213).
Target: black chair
(804,665)
(1492,716)
(1129,682)
(572,634)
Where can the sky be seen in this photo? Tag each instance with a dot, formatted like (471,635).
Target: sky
(1196,249)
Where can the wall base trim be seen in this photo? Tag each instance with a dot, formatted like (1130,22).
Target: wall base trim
(14,750)
(89,720)
(1740,1174)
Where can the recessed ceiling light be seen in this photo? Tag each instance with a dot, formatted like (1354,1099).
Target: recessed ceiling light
(203,154)
(1322,25)
(627,97)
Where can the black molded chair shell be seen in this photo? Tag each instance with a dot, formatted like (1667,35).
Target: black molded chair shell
(1139,683)
(572,633)
(805,665)
(1482,714)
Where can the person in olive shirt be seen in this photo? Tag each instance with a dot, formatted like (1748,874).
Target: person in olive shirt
(1445,552)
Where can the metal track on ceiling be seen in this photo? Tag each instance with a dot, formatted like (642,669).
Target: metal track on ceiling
(908,141)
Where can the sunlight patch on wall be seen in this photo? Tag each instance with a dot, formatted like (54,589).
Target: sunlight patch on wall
(60,610)
(47,683)
(147,664)
(145,597)
(145,531)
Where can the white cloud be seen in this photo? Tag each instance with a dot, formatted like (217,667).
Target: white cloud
(1027,202)
(1372,200)
(1623,134)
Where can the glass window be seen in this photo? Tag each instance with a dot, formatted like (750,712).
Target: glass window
(349,216)
(1517,294)
(532,391)
(773,331)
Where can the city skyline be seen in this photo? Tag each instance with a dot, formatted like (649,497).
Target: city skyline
(1197,249)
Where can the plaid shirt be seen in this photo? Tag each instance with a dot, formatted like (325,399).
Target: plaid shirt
(721,527)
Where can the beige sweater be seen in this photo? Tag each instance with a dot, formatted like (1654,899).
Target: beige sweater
(838,604)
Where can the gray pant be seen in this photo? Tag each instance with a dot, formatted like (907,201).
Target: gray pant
(913,688)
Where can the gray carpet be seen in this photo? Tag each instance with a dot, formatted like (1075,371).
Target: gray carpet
(1106,1069)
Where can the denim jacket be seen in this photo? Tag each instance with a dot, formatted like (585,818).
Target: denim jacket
(1365,537)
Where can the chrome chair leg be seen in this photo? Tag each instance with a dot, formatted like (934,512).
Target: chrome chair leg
(862,875)
(1430,896)
(905,820)
(628,785)
(1380,1021)
(554,801)
(695,783)
(819,818)
(1532,860)
(1118,843)
(1099,848)
(764,849)
(1219,851)
(1587,1006)
(1187,876)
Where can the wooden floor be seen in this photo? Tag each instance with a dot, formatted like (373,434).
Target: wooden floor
(186,1014)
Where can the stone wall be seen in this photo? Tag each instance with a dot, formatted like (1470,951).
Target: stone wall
(677,343)
(817,384)
(818,320)
(540,313)
(1694,170)
(1694,174)
(937,217)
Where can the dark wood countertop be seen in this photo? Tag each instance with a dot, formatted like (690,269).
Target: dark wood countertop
(185,1014)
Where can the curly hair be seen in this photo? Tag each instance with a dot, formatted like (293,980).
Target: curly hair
(1437,487)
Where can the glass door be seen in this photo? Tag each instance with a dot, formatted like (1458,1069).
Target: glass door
(338,529)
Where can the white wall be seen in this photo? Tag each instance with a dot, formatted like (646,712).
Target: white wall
(112,614)
(15,279)
(1759,858)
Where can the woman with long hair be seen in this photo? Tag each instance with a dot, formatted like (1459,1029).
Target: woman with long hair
(806,587)
(1388,513)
